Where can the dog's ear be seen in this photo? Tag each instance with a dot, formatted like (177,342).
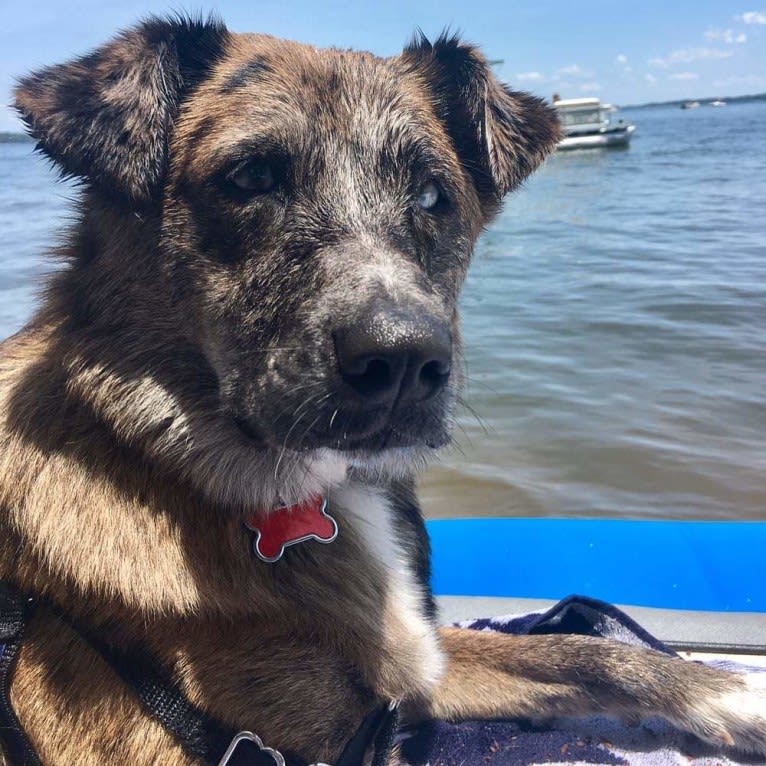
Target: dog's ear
(106,117)
(500,135)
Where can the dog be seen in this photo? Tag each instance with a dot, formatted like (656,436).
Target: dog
(255,338)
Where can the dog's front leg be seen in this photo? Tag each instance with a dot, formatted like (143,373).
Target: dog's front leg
(491,675)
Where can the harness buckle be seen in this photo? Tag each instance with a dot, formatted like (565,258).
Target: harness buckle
(373,738)
(248,739)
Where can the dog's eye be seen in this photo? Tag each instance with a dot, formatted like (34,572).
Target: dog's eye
(254,176)
(429,196)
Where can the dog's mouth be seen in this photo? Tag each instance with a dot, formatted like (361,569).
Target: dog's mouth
(314,461)
(359,433)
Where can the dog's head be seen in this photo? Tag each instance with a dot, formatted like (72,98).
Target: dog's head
(317,208)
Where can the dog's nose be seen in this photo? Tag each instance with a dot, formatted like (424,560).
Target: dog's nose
(395,356)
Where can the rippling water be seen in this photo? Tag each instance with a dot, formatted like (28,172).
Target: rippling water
(615,324)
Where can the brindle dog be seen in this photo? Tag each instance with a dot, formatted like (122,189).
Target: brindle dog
(259,306)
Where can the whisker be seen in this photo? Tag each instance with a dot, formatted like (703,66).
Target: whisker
(482,423)
(467,435)
(308,429)
(292,391)
(303,405)
(310,402)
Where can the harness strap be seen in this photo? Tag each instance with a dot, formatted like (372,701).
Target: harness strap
(376,732)
(203,736)
(15,612)
(198,733)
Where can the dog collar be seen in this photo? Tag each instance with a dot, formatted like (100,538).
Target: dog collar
(290,524)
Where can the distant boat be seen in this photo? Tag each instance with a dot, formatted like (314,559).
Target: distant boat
(717,102)
(690,105)
(587,124)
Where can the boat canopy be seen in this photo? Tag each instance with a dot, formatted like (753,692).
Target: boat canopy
(579,111)
(577,103)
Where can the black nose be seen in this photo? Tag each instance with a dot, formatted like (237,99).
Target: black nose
(395,355)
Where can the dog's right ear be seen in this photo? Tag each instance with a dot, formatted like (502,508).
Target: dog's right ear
(500,135)
(106,117)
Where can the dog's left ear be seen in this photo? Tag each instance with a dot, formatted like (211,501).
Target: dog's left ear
(500,135)
(106,117)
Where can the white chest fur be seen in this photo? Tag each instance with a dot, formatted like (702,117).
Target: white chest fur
(410,635)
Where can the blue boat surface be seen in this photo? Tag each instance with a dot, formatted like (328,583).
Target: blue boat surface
(698,585)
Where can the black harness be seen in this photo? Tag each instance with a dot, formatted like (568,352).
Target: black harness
(201,736)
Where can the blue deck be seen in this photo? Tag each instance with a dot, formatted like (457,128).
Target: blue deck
(698,565)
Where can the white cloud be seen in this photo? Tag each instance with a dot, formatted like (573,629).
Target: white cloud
(573,70)
(753,17)
(726,36)
(650,78)
(685,76)
(719,34)
(622,61)
(530,76)
(687,55)
(590,87)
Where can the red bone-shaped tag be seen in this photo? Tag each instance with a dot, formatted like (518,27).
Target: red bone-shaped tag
(289,525)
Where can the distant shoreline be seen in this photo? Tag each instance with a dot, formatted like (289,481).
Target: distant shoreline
(7,137)
(15,138)
(702,100)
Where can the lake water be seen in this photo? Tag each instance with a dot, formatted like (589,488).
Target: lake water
(615,324)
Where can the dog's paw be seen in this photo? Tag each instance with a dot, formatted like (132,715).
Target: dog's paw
(736,717)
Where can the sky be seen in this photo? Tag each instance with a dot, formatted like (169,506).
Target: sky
(623,52)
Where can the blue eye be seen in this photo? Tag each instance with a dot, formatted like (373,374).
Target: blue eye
(429,195)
